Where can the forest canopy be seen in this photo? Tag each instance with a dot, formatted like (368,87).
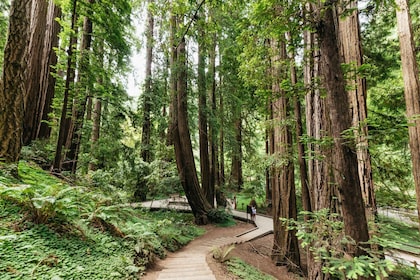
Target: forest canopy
(301,106)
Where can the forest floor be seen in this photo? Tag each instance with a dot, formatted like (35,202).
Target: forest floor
(255,253)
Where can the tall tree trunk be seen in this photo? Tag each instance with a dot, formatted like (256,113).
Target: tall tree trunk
(221,142)
(96,127)
(214,150)
(65,119)
(13,87)
(202,114)
(36,63)
(303,170)
(351,51)
(182,142)
(236,176)
(285,246)
(344,156)
(323,191)
(173,79)
(411,88)
(47,78)
(146,153)
(80,100)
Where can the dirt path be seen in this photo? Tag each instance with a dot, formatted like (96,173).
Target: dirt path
(195,261)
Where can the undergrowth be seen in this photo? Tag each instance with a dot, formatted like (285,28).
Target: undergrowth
(50,230)
(244,271)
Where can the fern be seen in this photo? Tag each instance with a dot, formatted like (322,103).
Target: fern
(222,254)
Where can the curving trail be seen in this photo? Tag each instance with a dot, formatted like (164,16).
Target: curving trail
(190,262)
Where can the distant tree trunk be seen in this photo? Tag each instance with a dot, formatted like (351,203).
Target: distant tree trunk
(344,156)
(182,142)
(96,127)
(65,119)
(173,79)
(146,153)
(236,176)
(80,100)
(214,149)
(303,170)
(221,143)
(351,51)
(13,87)
(202,114)
(36,63)
(285,246)
(411,88)
(47,78)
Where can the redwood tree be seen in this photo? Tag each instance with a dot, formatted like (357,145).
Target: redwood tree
(12,84)
(344,156)
(411,88)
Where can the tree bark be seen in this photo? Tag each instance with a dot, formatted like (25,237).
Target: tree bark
(202,115)
(411,88)
(13,87)
(303,170)
(182,142)
(285,247)
(146,153)
(96,127)
(80,100)
(36,63)
(344,155)
(236,177)
(214,149)
(47,78)
(351,51)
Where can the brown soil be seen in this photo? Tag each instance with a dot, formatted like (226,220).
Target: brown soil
(255,253)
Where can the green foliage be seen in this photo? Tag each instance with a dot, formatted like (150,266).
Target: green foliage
(43,197)
(222,254)
(81,237)
(245,271)
(402,272)
(220,216)
(324,238)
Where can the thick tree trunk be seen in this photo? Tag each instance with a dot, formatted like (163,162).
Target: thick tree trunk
(411,88)
(182,143)
(351,51)
(13,87)
(317,127)
(285,246)
(36,63)
(47,78)
(344,156)
(146,153)
(202,116)
(65,119)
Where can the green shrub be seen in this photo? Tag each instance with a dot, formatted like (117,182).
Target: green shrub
(323,235)
(245,271)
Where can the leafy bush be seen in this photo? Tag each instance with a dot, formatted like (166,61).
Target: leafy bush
(245,271)
(220,216)
(324,237)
